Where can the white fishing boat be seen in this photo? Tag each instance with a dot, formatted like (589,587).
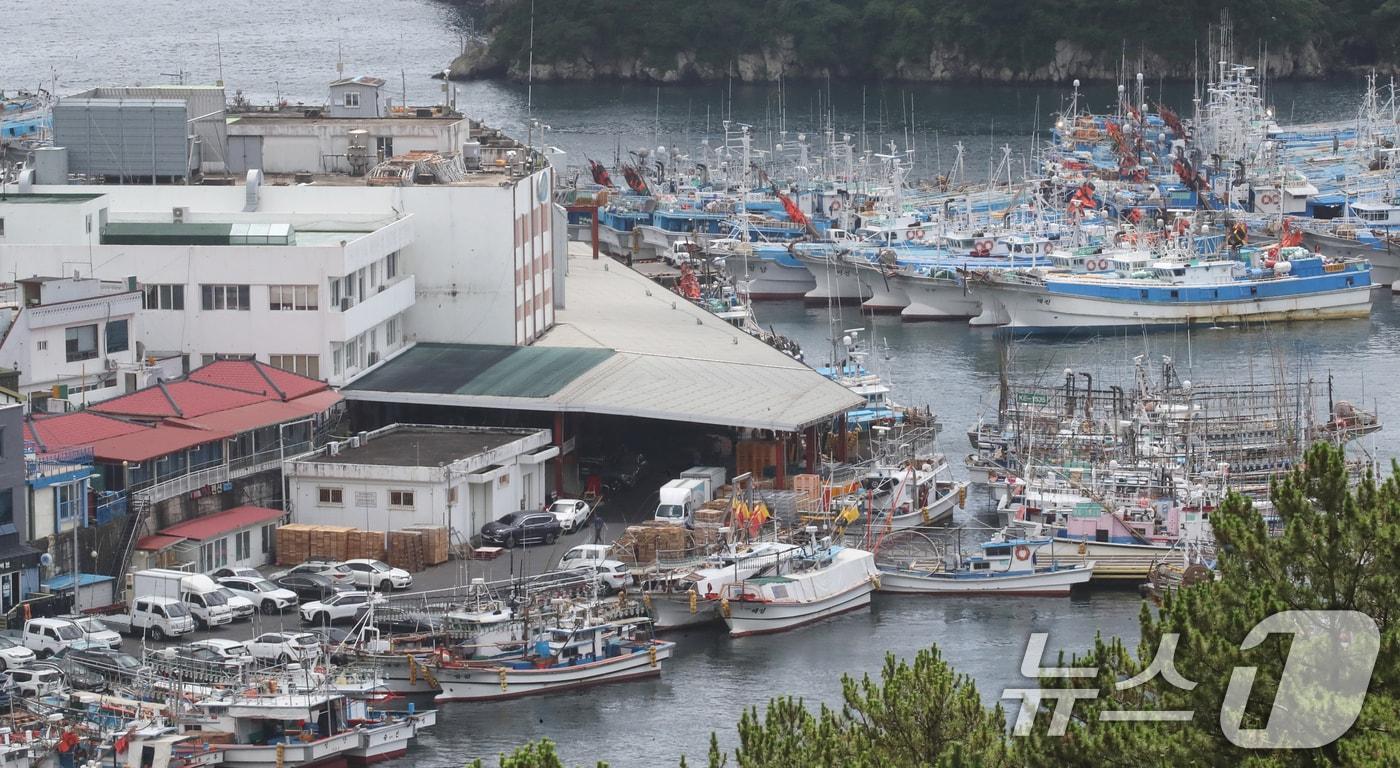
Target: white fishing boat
(259,729)
(935,294)
(826,580)
(1296,286)
(886,295)
(913,494)
(560,659)
(837,279)
(1004,566)
(691,597)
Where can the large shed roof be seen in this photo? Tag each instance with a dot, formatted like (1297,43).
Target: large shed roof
(622,346)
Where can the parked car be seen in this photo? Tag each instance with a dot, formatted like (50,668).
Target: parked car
(268,597)
(34,682)
(243,608)
(522,528)
(113,665)
(242,572)
(282,647)
(572,514)
(14,655)
(344,606)
(196,661)
(310,586)
(231,650)
(376,574)
(331,569)
(95,632)
(75,675)
(46,637)
(612,574)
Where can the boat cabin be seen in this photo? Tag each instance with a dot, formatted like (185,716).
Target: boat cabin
(1027,246)
(1197,273)
(1377,214)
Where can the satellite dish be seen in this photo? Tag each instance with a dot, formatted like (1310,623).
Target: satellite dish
(46,559)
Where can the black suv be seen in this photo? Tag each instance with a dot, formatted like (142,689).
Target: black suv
(310,586)
(522,528)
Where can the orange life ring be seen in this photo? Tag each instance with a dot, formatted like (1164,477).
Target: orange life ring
(1023,552)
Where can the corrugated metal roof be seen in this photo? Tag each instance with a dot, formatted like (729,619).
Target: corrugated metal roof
(669,360)
(483,369)
(219,523)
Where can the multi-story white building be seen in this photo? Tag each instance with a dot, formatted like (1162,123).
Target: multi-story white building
(326,279)
(70,338)
(320,294)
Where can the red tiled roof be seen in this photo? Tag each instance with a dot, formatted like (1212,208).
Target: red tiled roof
(264,414)
(219,523)
(178,399)
(55,433)
(253,376)
(154,441)
(157,542)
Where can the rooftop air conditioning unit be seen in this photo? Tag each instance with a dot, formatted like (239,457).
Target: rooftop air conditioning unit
(179,213)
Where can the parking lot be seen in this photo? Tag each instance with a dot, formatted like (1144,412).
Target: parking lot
(516,562)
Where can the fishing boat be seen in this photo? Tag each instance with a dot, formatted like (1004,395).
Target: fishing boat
(917,493)
(690,597)
(825,580)
(1005,565)
(561,658)
(1297,285)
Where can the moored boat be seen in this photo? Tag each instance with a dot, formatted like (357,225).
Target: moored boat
(829,579)
(1004,566)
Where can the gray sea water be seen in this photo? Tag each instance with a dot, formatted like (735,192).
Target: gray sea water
(273,49)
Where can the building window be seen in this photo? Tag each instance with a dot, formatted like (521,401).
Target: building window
(42,345)
(391,266)
(335,293)
(306,365)
(7,511)
(213,554)
(243,546)
(401,499)
(68,498)
(338,359)
(117,340)
(452,495)
(2,226)
(224,297)
(287,297)
(330,497)
(352,99)
(80,342)
(391,332)
(207,359)
(352,354)
(164,297)
(268,531)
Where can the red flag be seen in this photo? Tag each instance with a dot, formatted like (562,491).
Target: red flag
(793,211)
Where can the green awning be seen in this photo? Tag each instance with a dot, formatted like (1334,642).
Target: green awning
(482,369)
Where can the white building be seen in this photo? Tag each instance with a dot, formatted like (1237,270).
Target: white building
(320,294)
(407,474)
(327,279)
(358,129)
(70,336)
(239,537)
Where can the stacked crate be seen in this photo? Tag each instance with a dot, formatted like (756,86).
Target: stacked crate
(405,550)
(328,542)
(366,545)
(436,543)
(293,543)
(755,456)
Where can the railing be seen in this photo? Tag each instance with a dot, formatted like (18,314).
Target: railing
(110,506)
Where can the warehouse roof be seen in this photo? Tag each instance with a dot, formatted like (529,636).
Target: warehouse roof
(654,355)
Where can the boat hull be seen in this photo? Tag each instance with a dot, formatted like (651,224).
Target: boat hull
(935,299)
(886,294)
(1116,561)
(937,513)
(383,742)
(1047,583)
(482,682)
(670,612)
(836,281)
(330,752)
(758,618)
(1035,310)
(770,280)
(1385,263)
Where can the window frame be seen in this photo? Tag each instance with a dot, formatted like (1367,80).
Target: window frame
(348,97)
(72,352)
(405,499)
(330,496)
(224,297)
(125,342)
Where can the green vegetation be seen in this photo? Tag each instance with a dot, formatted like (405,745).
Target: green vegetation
(872,38)
(1340,550)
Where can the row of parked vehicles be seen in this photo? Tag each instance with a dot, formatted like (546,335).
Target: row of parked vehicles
(170,603)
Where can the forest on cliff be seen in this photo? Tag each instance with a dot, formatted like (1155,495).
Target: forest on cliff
(675,40)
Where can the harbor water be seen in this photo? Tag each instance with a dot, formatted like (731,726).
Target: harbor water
(286,50)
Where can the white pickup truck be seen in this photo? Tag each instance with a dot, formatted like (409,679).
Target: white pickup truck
(153,617)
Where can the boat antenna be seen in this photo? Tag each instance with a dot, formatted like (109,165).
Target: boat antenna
(530,65)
